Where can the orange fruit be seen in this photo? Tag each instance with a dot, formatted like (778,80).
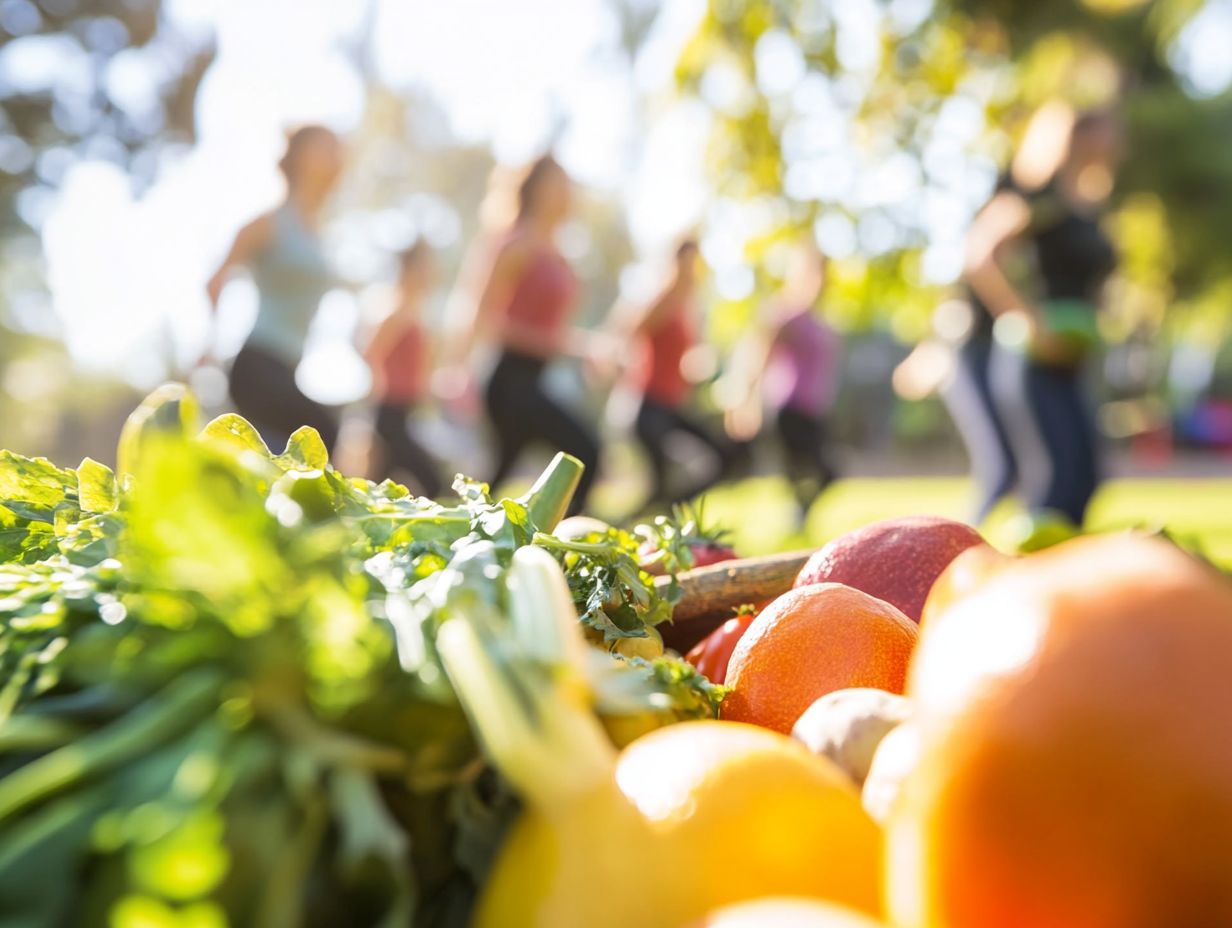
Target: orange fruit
(1075,716)
(965,574)
(691,818)
(787,913)
(743,813)
(811,641)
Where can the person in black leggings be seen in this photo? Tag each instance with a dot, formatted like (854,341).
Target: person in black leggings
(522,414)
(527,300)
(1049,415)
(969,398)
(804,354)
(283,252)
(667,331)
(1042,347)
(263,390)
(656,424)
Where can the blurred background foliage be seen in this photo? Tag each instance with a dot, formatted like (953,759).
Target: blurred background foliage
(881,125)
(932,99)
(68,94)
(88,108)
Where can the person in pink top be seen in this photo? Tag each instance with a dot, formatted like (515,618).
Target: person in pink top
(794,369)
(400,358)
(526,302)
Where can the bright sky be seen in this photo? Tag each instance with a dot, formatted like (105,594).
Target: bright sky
(1202,53)
(127,268)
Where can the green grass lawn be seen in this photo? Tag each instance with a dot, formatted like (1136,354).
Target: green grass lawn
(762,518)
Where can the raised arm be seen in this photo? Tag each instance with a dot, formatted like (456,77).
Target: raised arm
(482,296)
(748,365)
(1000,223)
(626,321)
(249,241)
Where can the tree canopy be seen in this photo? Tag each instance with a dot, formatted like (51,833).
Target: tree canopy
(98,79)
(888,120)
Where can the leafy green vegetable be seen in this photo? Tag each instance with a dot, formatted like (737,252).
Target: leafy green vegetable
(668,540)
(613,595)
(220,697)
(685,689)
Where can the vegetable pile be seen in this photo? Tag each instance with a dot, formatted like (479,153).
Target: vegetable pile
(240,689)
(221,701)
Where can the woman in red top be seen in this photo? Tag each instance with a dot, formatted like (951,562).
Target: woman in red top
(527,300)
(399,357)
(668,329)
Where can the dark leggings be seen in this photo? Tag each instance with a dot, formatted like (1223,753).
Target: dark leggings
(655,422)
(264,392)
(522,414)
(969,398)
(805,457)
(403,452)
(1052,431)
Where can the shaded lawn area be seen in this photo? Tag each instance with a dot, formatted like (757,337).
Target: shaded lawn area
(761,515)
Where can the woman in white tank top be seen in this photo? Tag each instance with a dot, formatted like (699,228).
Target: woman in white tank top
(282,252)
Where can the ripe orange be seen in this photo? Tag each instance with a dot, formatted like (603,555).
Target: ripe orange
(787,913)
(811,641)
(965,574)
(692,818)
(1075,719)
(742,813)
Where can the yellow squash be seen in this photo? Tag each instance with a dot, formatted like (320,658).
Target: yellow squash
(687,819)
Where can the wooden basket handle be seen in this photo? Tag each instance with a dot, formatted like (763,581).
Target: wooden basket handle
(710,595)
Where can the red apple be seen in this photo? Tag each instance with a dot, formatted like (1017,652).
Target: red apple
(896,560)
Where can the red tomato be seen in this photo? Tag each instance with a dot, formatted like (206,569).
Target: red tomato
(707,552)
(711,654)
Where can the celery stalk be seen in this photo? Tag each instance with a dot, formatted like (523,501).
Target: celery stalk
(175,708)
(535,726)
(545,622)
(549,498)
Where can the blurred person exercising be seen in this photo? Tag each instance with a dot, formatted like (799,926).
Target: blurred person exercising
(526,300)
(451,379)
(955,361)
(400,357)
(1046,330)
(282,252)
(969,398)
(794,366)
(667,330)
